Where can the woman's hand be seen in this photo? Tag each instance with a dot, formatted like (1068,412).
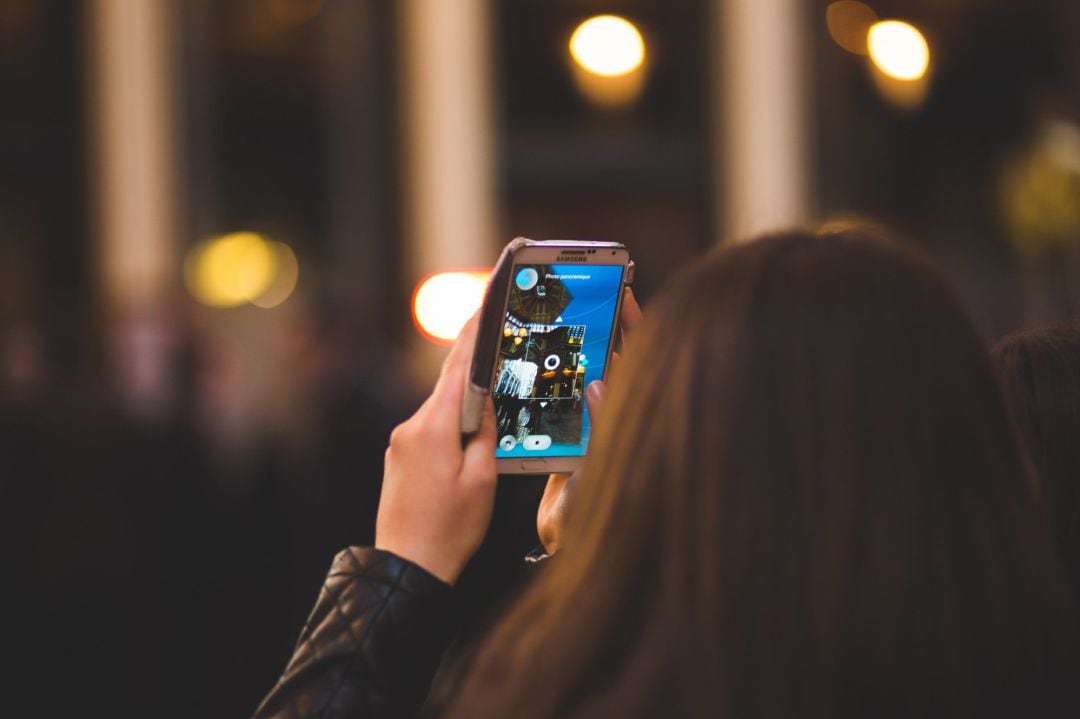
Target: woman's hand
(437,496)
(552,510)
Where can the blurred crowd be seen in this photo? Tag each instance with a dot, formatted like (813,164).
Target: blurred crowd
(156,553)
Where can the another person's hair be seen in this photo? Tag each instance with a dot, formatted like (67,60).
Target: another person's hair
(803,498)
(1040,376)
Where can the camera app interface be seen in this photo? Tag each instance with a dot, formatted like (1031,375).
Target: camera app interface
(559,320)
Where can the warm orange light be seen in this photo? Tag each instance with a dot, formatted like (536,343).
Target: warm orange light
(898,49)
(607,45)
(291,13)
(608,60)
(848,22)
(443,302)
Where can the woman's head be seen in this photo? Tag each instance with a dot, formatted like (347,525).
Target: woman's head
(803,492)
(1040,377)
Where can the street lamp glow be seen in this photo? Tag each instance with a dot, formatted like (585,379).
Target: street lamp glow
(231,270)
(443,302)
(848,22)
(607,45)
(898,49)
(284,282)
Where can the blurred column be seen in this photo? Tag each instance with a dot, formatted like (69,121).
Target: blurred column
(759,108)
(449,139)
(352,55)
(133,170)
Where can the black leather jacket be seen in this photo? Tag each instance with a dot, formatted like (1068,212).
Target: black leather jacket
(371,645)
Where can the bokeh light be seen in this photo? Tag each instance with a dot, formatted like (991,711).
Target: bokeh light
(230,270)
(848,23)
(898,50)
(1040,191)
(291,13)
(240,268)
(285,279)
(607,45)
(443,302)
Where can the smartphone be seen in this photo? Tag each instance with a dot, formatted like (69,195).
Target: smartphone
(547,329)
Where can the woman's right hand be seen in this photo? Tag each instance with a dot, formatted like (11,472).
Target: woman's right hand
(437,495)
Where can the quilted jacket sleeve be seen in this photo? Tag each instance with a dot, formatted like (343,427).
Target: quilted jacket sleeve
(370,646)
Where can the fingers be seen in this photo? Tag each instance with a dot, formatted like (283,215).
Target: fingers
(461,352)
(479,461)
(630,314)
(450,387)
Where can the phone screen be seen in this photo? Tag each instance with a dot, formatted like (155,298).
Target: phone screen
(555,339)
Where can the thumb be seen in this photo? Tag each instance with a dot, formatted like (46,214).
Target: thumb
(594,398)
(630,315)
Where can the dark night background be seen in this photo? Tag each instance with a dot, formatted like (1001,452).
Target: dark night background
(163,563)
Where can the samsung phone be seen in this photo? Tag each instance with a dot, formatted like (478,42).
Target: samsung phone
(547,328)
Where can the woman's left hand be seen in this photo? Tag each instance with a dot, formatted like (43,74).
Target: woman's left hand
(552,511)
(437,496)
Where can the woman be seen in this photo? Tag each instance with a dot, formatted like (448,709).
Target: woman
(1040,374)
(803,498)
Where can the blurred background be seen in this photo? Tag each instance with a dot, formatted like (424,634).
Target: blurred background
(216,217)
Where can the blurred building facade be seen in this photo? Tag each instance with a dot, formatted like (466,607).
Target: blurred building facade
(206,460)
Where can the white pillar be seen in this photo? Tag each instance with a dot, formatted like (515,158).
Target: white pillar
(450,207)
(132,146)
(759,112)
(134,186)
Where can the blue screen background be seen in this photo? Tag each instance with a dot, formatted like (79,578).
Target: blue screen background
(593,305)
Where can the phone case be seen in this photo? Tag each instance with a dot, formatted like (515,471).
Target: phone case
(482,369)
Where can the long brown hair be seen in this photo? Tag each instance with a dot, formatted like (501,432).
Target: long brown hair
(1040,375)
(803,499)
